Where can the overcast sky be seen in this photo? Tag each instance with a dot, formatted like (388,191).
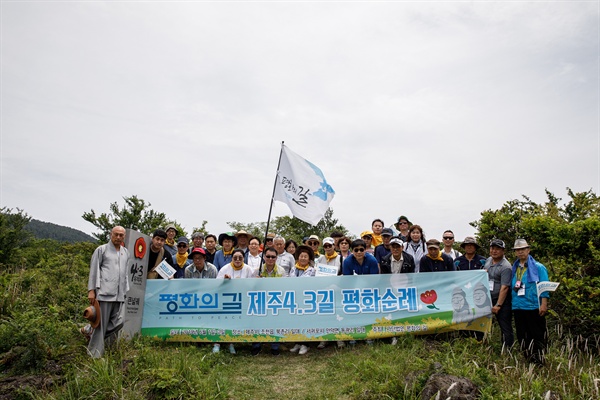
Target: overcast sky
(435,110)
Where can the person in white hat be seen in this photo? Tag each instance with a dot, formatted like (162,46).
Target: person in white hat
(529,308)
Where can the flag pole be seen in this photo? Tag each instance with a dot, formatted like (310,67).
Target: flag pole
(262,256)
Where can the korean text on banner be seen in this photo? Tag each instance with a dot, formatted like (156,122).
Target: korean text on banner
(315,309)
(302,186)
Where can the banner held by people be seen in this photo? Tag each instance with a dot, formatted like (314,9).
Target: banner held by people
(302,186)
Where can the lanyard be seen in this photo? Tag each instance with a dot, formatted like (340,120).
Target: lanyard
(520,273)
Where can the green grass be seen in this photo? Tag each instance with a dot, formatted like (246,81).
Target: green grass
(147,369)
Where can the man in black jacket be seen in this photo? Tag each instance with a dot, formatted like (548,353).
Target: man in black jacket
(398,261)
(435,260)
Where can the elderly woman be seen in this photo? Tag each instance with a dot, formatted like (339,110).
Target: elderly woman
(304,268)
(235,270)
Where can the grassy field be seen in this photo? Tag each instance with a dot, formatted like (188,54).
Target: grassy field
(145,369)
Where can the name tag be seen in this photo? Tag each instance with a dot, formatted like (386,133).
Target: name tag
(491,286)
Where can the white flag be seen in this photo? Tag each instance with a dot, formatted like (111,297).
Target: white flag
(546,287)
(302,186)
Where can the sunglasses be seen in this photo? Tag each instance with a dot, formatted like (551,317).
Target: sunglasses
(449,238)
(326,246)
(312,243)
(182,245)
(238,258)
(403,223)
(270,257)
(359,250)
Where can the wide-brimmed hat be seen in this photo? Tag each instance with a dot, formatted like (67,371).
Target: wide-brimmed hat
(197,250)
(92,314)
(308,249)
(314,237)
(227,235)
(171,226)
(402,217)
(469,240)
(243,232)
(520,244)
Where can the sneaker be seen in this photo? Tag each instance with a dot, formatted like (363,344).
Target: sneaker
(275,352)
(295,348)
(303,350)
(370,342)
(341,344)
(216,348)
(321,345)
(231,349)
(352,342)
(394,341)
(255,351)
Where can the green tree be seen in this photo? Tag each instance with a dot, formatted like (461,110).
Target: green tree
(13,234)
(292,227)
(135,214)
(565,238)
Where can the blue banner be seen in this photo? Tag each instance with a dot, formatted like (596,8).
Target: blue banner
(316,308)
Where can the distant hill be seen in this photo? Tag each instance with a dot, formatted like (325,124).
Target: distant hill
(48,230)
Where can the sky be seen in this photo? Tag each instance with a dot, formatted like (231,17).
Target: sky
(433,110)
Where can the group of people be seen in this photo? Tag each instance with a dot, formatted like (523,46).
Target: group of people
(400,248)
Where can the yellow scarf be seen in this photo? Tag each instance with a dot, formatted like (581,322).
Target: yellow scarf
(170,242)
(334,255)
(181,259)
(302,268)
(236,268)
(226,253)
(439,257)
(317,254)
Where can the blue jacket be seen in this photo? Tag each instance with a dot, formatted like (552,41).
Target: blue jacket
(368,267)
(380,252)
(530,300)
(221,259)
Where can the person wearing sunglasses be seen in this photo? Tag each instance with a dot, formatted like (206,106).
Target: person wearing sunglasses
(181,257)
(448,241)
(360,262)
(402,227)
(236,269)
(314,242)
(270,269)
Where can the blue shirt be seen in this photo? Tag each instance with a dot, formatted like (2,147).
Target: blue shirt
(368,267)
(530,300)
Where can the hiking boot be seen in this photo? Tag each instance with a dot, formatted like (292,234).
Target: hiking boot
(303,350)
(216,348)
(394,341)
(341,344)
(231,349)
(275,352)
(321,345)
(295,348)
